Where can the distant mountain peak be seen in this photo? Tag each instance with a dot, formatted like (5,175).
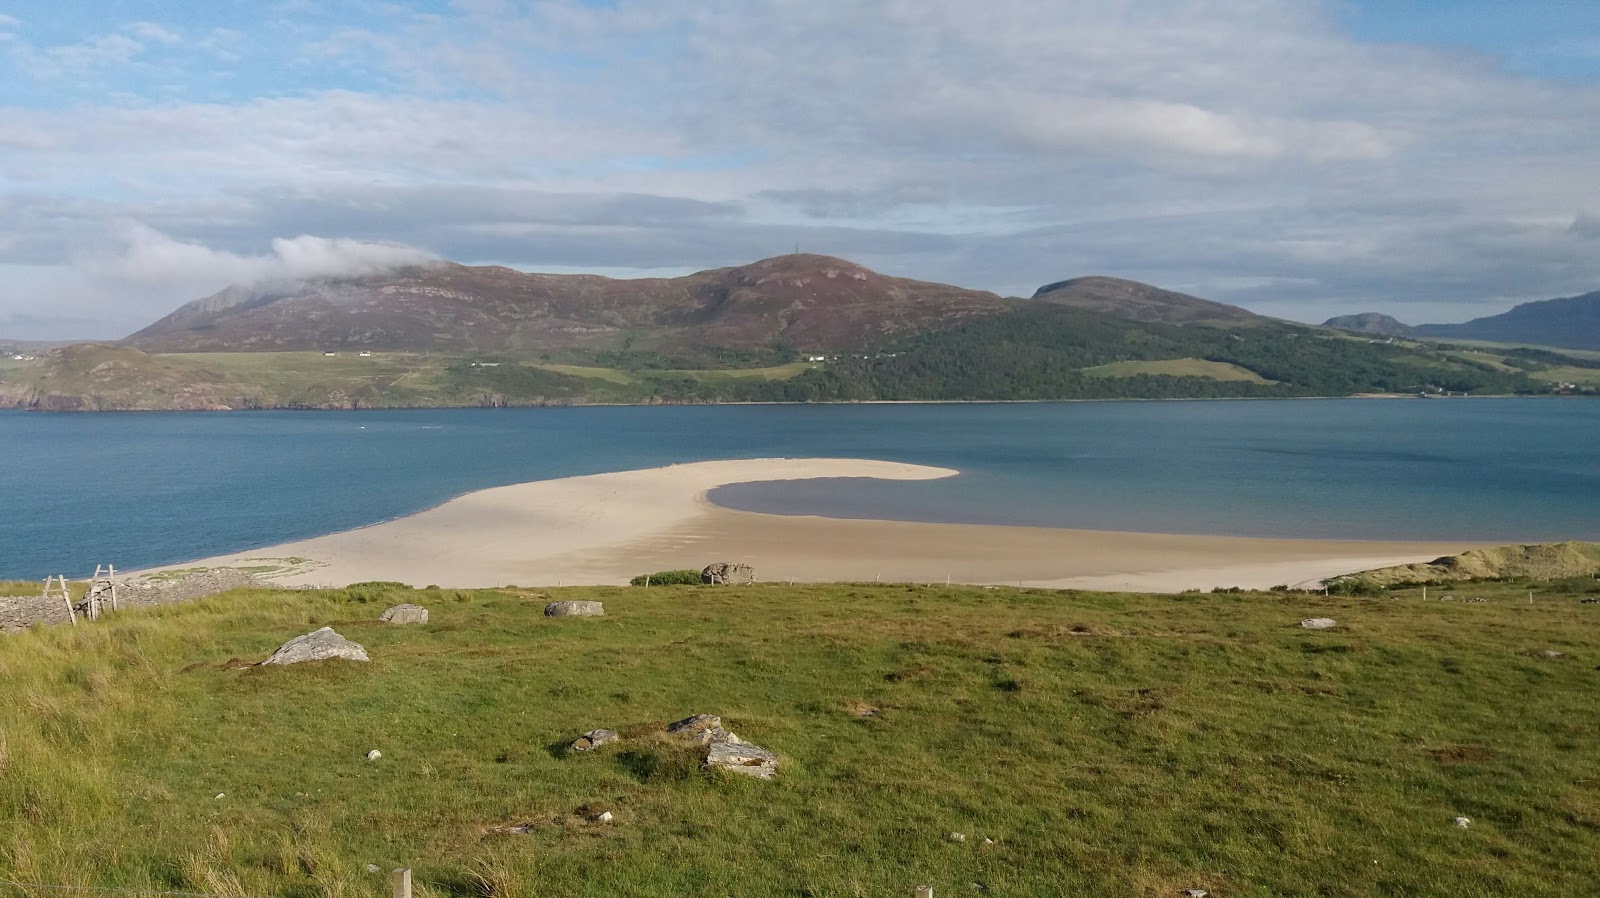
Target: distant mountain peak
(1123,298)
(1571,322)
(1371,323)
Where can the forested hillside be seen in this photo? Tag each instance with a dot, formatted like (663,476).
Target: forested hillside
(1041,353)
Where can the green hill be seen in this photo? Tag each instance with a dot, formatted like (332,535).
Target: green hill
(1549,561)
(1084,744)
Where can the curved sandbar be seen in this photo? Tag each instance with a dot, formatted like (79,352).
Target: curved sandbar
(606,528)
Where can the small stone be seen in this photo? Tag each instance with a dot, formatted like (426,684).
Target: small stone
(374,755)
(594,739)
(604,817)
(1196,893)
(1552,653)
(988,841)
(1463,822)
(574,609)
(220,796)
(319,645)
(1318,623)
(374,868)
(955,837)
(405,614)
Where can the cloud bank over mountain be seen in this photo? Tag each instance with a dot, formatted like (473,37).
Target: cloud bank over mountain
(1262,152)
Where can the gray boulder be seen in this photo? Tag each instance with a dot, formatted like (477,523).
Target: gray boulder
(405,614)
(594,739)
(728,573)
(1318,623)
(574,609)
(319,645)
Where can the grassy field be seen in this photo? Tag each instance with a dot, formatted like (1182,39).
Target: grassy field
(1179,368)
(1106,744)
(619,376)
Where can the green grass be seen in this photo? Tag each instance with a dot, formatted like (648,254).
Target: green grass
(1179,368)
(613,375)
(710,375)
(75,588)
(774,372)
(1108,744)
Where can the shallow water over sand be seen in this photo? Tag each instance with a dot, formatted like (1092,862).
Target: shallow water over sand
(147,489)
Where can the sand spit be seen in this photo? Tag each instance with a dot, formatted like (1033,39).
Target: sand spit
(606,528)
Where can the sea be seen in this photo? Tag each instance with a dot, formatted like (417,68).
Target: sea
(142,489)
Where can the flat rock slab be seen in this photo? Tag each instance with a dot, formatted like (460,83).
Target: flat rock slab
(1318,623)
(594,739)
(574,609)
(743,758)
(405,614)
(319,645)
(725,751)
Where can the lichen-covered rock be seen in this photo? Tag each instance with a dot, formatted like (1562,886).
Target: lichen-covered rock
(594,739)
(574,609)
(742,758)
(725,751)
(1318,623)
(405,614)
(319,645)
(728,573)
(703,729)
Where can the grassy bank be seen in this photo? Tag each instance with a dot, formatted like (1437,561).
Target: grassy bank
(1107,744)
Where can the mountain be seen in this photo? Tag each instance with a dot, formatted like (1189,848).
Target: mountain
(802,300)
(1371,323)
(1572,323)
(1142,302)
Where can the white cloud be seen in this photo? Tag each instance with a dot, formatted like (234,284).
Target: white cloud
(151,33)
(152,258)
(1243,149)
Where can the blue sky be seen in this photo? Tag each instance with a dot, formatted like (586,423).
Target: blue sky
(1433,160)
(1542,38)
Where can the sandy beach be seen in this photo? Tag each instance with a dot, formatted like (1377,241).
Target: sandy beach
(607,528)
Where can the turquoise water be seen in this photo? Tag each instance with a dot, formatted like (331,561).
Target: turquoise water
(144,489)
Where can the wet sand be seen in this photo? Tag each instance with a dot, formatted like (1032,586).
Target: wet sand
(607,528)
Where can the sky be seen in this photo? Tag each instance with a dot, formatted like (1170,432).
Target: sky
(1436,161)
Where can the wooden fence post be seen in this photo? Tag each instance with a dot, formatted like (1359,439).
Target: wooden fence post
(66,596)
(402,883)
(923,892)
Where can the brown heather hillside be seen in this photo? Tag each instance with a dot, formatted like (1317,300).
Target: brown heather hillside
(808,301)
(1142,302)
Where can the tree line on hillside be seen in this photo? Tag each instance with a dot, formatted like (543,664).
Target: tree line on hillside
(1039,353)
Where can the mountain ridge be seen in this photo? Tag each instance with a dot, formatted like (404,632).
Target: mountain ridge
(1571,322)
(819,302)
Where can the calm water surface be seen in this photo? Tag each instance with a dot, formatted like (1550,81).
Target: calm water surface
(144,489)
